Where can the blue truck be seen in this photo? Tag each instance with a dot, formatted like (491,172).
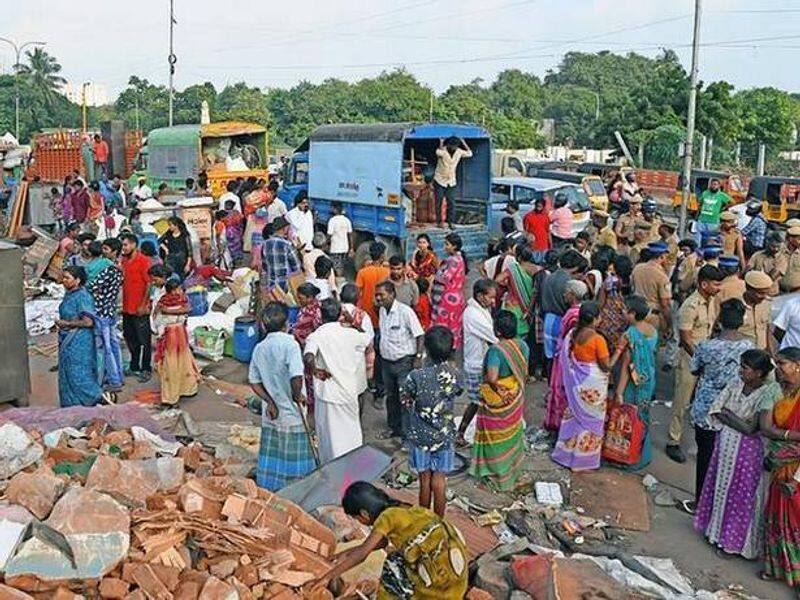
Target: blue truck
(373,170)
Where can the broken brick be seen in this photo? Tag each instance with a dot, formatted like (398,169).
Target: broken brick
(223,568)
(493,579)
(214,589)
(146,578)
(478,594)
(9,593)
(113,588)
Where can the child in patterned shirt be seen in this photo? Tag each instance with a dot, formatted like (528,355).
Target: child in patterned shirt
(428,395)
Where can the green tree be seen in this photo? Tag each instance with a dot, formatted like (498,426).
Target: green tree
(143,103)
(189,101)
(41,74)
(395,96)
(767,117)
(239,102)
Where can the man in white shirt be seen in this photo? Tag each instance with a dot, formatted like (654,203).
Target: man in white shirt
(478,335)
(276,208)
(142,191)
(230,194)
(401,348)
(340,230)
(302,221)
(333,352)
(787,324)
(448,155)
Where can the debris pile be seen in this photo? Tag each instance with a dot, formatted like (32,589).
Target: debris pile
(98,512)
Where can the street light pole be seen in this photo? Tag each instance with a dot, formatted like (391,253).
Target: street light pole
(18,52)
(690,118)
(172,58)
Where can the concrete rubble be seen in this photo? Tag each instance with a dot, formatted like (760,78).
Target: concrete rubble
(94,512)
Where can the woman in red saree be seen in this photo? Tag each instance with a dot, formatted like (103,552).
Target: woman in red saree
(174,361)
(448,288)
(424,262)
(781,425)
(308,319)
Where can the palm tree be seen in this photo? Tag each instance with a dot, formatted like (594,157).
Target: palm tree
(42,74)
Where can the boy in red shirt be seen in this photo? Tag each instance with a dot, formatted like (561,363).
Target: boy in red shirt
(537,224)
(423,306)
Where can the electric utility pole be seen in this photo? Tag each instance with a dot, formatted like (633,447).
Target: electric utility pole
(18,52)
(690,116)
(172,58)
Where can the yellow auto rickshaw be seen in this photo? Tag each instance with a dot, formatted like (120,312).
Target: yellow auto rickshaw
(730,183)
(779,196)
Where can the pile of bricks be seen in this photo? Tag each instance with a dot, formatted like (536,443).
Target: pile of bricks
(122,515)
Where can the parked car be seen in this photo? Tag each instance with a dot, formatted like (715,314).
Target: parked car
(526,190)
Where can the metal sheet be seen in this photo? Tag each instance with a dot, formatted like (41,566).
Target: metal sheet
(362,172)
(326,485)
(229,128)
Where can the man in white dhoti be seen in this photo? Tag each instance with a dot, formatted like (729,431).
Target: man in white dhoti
(336,352)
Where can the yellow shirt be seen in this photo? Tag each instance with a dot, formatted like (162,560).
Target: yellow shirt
(625,226)
(606,237)
(401,525)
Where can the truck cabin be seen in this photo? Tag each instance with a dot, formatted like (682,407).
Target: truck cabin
(606,171)
(535,167)
(392,165)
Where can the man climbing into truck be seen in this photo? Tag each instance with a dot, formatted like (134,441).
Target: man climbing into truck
(448,155)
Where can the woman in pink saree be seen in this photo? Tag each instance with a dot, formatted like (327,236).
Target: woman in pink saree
(448,288)
(557,395)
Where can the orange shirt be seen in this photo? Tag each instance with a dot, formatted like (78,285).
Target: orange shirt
(592,350)
(101,151)
(367,280)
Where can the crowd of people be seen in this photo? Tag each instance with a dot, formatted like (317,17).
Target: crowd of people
(588,313)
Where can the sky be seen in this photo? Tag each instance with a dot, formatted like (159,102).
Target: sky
(442,42)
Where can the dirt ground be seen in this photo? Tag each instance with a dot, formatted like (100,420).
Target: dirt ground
(671,534)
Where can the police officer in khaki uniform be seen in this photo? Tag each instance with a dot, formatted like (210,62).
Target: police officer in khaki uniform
(791,280)
(666,234)
(650,280)
(772,260)
(732,286)
(696,318)
(641,237)
(603,232)
(731,238)
(626,223)
(686,276)
(650,214)
(758,308)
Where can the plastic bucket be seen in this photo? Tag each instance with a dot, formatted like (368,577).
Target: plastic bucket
(245,338)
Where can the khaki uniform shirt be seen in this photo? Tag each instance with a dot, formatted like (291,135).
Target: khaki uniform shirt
(606,237)
(657,221)
(650,281)
(774,266)
(731,287)
(624,227)
(730,241)
(636,250)
(687,273)
(672,251)
(756,323)
(697,315)
(791,280)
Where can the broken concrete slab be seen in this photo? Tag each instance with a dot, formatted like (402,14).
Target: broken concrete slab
(493,577)
(168,471)
(97,529)
(112,588)
(214,589)
(37,491)
(17,450)
(14,521)
(126,480)
(617,498)
(162,446)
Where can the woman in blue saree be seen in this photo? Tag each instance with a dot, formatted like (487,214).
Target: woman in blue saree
(77,350)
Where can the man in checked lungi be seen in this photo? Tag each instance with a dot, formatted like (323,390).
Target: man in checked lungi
(276,376)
